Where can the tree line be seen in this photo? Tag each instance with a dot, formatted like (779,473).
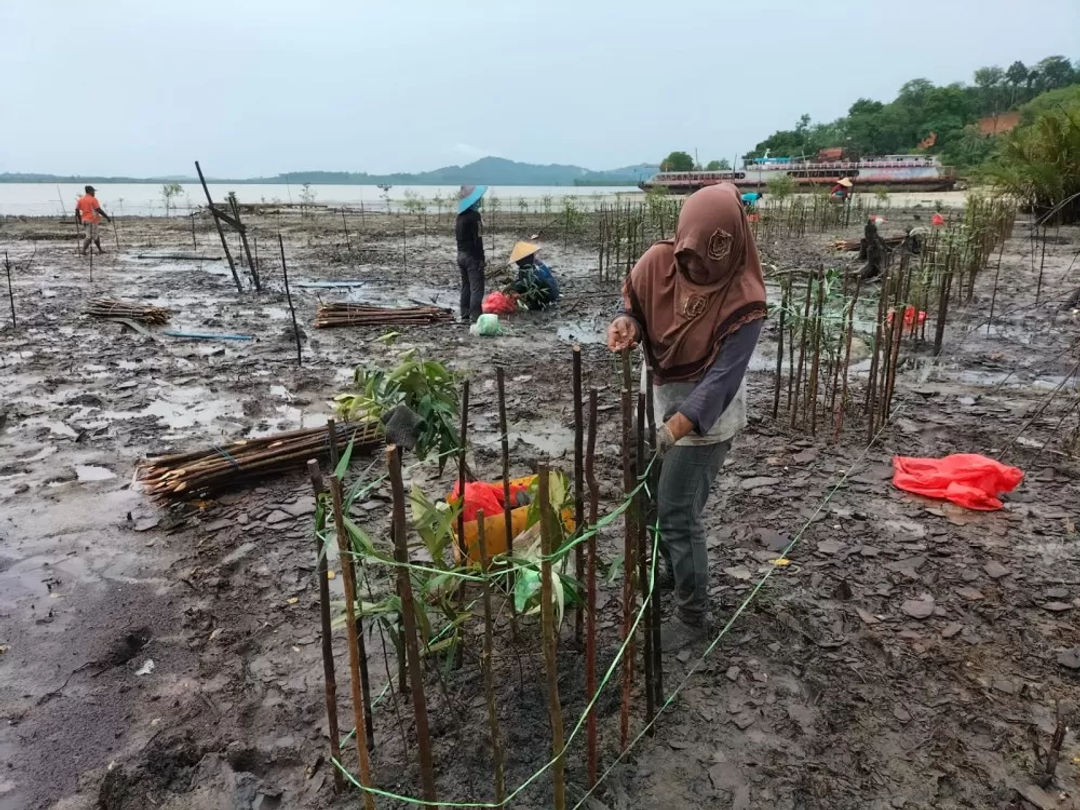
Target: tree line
(940,119)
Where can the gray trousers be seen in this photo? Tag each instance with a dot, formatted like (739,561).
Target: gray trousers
(686,477)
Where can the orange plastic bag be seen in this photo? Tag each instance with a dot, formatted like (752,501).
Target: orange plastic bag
(489,497)
(967,479)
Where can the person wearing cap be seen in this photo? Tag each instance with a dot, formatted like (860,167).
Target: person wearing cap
(470,251)
(841,190)
(535,283)
(88,213)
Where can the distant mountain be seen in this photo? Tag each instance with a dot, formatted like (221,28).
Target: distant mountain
(491,171)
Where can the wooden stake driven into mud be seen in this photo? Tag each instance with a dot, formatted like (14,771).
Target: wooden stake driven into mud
(462,443)
(347,575)
(591,745)
(629,539)
(288,297)
(638,507)
(221,233)
(329,677)
(485,664)
(504,443)
(549,633)
(409,629)
(579,486)
(654,548)
(11,295)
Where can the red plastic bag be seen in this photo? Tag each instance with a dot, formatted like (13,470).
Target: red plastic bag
(499,303)
(968,479)
(937,220)
(483,495)
(909,317)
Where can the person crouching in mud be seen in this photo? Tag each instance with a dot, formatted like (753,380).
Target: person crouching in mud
(696,305)
(535,283)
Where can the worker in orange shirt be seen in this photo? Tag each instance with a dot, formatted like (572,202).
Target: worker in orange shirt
(88,213)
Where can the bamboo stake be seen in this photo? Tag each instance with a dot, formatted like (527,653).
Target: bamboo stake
(365,677)
(217,224)
(348,241)
(839,412)
(288,297)
(354,652)
(993,297)
(590,593)
(485,665)
(330,679)
(780,350)
(802,351)
(579,486)
(643,564)
(408,620)
(11,295)
(654,549)
(629,533)
(504,443)
(872,381)
(812,389)
(461,474)
(549,633)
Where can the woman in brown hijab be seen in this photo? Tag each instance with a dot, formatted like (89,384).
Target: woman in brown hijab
(696,305)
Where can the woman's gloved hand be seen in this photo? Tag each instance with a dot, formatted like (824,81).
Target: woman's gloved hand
(665,440)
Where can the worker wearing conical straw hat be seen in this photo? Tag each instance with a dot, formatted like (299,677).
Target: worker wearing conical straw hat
(841,190)
(470,251)
(535,283)
(696,305)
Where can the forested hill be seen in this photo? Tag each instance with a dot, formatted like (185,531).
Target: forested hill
(489,171)
(942,119)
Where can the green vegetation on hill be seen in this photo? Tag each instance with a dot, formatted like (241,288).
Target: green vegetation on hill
(940,117)
(1039,161)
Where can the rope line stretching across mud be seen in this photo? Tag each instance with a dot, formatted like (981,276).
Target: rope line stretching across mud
(655,530)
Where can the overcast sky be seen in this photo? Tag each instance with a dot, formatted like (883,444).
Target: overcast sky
(138,87)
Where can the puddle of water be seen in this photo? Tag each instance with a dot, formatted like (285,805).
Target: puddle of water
(544,439)
(88,472)
(55,428)
(590,331)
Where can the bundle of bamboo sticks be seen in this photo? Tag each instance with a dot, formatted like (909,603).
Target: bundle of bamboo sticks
(202,472)
(144,313)
(345,314)
(855,244)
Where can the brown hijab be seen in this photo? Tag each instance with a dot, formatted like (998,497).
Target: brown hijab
(686,320)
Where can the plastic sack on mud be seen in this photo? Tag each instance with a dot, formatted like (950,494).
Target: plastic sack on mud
(499,303)
(967,479)
(487,325)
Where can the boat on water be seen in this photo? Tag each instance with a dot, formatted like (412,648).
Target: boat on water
(892,172)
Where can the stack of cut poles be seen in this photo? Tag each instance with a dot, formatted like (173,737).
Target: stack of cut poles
(144,313)
(203,472)
(854,244)
(344,314)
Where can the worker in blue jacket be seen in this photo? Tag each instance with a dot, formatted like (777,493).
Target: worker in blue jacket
(535,284)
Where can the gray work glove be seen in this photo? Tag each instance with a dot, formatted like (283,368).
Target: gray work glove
(664,440)
(403,426)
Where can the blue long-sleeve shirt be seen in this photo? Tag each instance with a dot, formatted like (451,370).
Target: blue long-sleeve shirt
(712,394)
